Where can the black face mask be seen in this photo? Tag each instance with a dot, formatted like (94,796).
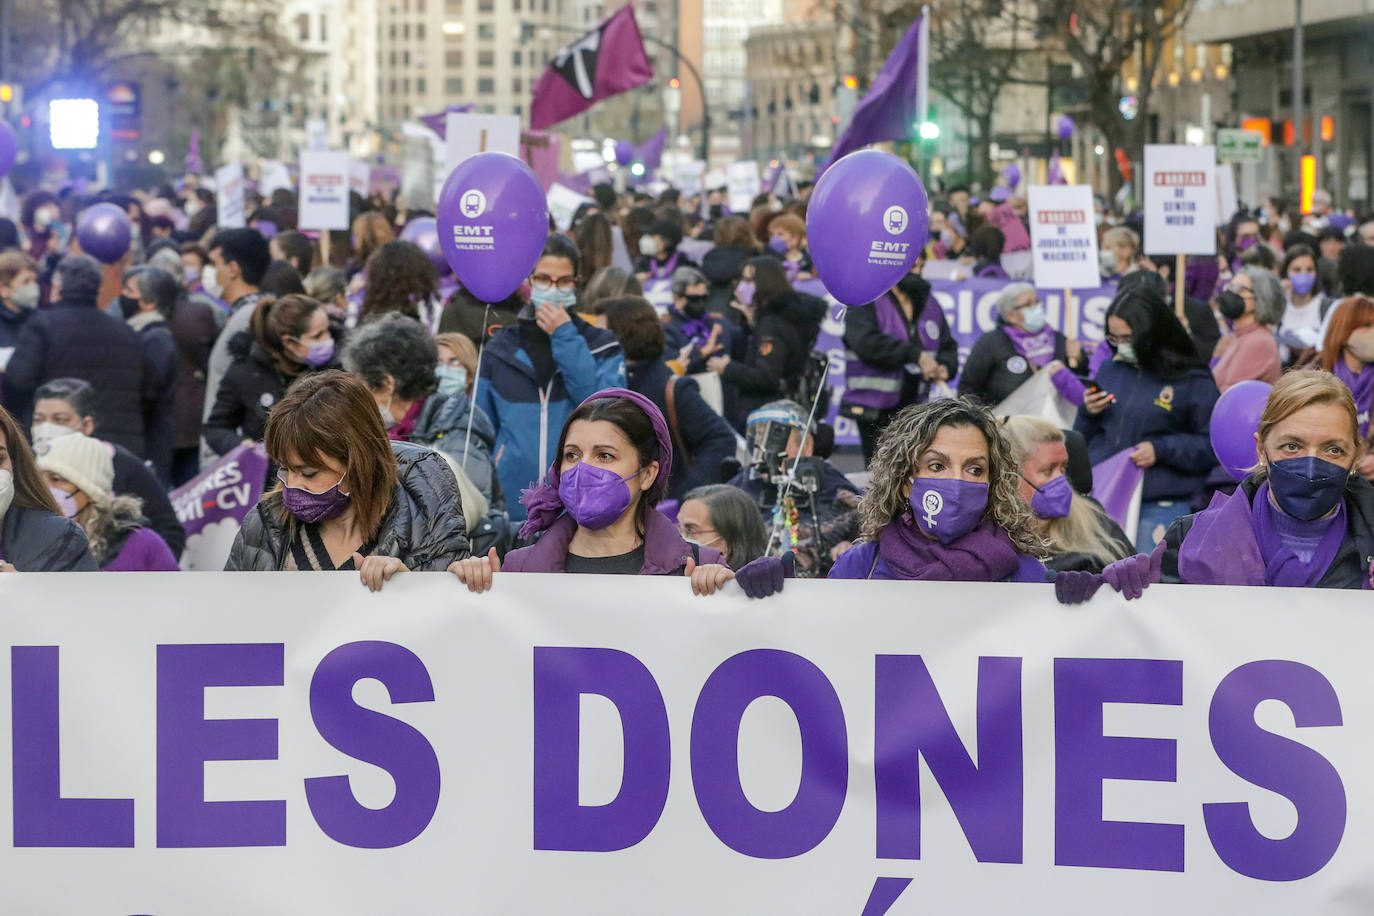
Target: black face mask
(128,307)
(916,288)
(694,307)
(1231,305)
(717,211)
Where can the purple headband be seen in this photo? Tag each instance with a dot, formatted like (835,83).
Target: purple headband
(543,502)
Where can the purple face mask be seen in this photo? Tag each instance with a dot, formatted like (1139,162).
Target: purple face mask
(593,496)
(65,501)
(779,244)
(318,354)
(1302,283)
(313,508)
(1053,499)
(744,291)
(947,509)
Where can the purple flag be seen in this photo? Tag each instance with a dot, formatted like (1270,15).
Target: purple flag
(438,122)
(889,109)
(192,161)
(1117,483)
(1055,173)
(213,505)
(606,61)
(651,153)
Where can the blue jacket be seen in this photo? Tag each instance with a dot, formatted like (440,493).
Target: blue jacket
(1175,417)
(528,412)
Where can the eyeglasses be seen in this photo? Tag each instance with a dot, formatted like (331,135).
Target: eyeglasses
(1026,305)
(545,282)
(693,533)
(1116,341)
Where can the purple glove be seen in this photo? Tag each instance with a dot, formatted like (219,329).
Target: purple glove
(764,576)
(1130,576)
(1075,586)
(1069,386)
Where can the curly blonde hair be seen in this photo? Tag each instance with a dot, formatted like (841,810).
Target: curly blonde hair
(895,462)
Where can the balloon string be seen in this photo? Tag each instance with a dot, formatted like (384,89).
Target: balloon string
(776,534)
(472,400)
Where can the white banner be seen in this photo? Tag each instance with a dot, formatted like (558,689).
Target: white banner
(1037,397)
(466,135)
(584,744)
(229,206)
(324,189)
(563,203)
(745,184)
(1180,199)
(1063,236)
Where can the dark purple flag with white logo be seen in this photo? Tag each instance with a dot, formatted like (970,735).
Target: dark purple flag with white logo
(606,61)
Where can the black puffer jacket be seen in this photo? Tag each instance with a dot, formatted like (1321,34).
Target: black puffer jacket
(36,540)
(246,395)
(78,340)
(423,527)
(777,352)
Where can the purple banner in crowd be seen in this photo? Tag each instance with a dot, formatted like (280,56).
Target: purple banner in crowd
(1117,485)
(213,505)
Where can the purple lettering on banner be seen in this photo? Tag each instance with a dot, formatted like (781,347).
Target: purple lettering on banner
(1280,765)
(42,817)
(186,740)
(1084,757)
(885,893)
(808,819)
(561,676)
(380,740)
(911,722)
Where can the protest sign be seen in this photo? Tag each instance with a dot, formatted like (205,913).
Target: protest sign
(688,177)
(563,203)
(1180,199)
(744,184)
(317,134)
(324,189)
(274,175)
(213,505)
(934,747)
(469,134)
(1063,236)
(359,174)
(229,206)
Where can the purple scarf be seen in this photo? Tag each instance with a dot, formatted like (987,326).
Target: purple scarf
(1296,553)
(698,330)
(1361,386)
(659,271)
(985,554)
(1037,348)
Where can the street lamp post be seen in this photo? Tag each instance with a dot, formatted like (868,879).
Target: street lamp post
(1297,91)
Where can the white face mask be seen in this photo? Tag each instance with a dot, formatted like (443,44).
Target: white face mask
(210,281)
(46,432)
(26,296)
(648,246)
(6,491)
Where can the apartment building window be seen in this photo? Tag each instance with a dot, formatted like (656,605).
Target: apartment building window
(393,85)
(303,27)
(486,31)
(405,58)
(515,55)
(419,6)
(486,86)
(517,5)
(419,85)
(486,58)
(405,86)
(485,6)
(392,31)
(405,31)
(393,58)
(453,6)
(453,59)
(453,85)
(515,85)
(324,27)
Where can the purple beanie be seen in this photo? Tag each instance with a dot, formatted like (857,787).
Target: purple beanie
(543,503)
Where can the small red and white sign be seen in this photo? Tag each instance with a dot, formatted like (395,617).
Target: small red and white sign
(324,189)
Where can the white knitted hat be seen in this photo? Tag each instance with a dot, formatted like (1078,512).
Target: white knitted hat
(86,462)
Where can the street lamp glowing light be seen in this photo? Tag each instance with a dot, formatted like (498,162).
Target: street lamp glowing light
(454,27)
(156,157)
(637,169)
(930,130)
(74,123)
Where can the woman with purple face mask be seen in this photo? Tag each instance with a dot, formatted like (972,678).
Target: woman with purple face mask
(1299,332)
(347,498)
(1081,535)
(943,504)
(595,510)
(289,337)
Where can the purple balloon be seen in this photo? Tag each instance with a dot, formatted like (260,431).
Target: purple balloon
(866,223)
(424,234)
(1235,420)
(624,152)
(103,232)
(1012,175)
(493,220)
(9,145)
(999,195)
(1065,127)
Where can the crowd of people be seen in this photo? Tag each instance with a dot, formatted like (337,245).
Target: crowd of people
(578,427)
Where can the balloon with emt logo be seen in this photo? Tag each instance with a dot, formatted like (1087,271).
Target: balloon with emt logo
(9,145)
(423,233)
(103,232)
(1235,420)
(865,225)
(493,220)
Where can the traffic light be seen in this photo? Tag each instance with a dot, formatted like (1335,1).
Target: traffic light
(6,93)
(929,130)
(851,82)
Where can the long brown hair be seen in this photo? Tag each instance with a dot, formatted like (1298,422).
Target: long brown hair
(593,238)
(372,230)
(1352,314)
(331,414)
(274,319)
(29,489)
